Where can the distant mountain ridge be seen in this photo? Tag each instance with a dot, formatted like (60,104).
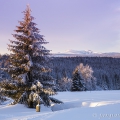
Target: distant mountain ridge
(86,53)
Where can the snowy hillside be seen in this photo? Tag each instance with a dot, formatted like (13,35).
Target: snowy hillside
(89,53)
(88,105)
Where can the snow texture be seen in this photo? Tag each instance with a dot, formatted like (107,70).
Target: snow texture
(95,105)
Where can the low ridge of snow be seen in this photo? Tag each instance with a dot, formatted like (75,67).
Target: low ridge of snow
(89,105)
(78,52)
(89,53)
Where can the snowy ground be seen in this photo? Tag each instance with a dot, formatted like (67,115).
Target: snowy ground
(95,105)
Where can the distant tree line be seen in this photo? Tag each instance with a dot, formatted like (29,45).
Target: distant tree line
(105,71)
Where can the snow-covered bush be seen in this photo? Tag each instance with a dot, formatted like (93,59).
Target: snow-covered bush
(65,84)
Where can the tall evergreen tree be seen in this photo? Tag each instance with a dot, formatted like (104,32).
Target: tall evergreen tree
(29,65)
(77,81)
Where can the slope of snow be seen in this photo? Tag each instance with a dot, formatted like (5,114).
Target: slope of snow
(88,105)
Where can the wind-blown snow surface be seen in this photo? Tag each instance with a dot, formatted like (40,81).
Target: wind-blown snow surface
(94,105)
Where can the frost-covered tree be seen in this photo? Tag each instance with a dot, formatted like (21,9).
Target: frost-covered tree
(65,84)
(87,74)
(77,81)
(29,67)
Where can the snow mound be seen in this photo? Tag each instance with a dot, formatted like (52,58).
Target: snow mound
(69,105)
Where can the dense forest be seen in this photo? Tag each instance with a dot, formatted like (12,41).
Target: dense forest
(106,70)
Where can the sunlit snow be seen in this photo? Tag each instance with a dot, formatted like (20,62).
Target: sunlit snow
(89,105)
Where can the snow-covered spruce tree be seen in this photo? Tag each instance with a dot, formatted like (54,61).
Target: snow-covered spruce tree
(77,81)
(29,66)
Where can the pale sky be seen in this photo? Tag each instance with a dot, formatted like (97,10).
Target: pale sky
(66,24)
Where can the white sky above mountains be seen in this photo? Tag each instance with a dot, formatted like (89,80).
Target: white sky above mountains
(67,24)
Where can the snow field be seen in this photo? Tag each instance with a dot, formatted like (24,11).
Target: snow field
(94,105)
